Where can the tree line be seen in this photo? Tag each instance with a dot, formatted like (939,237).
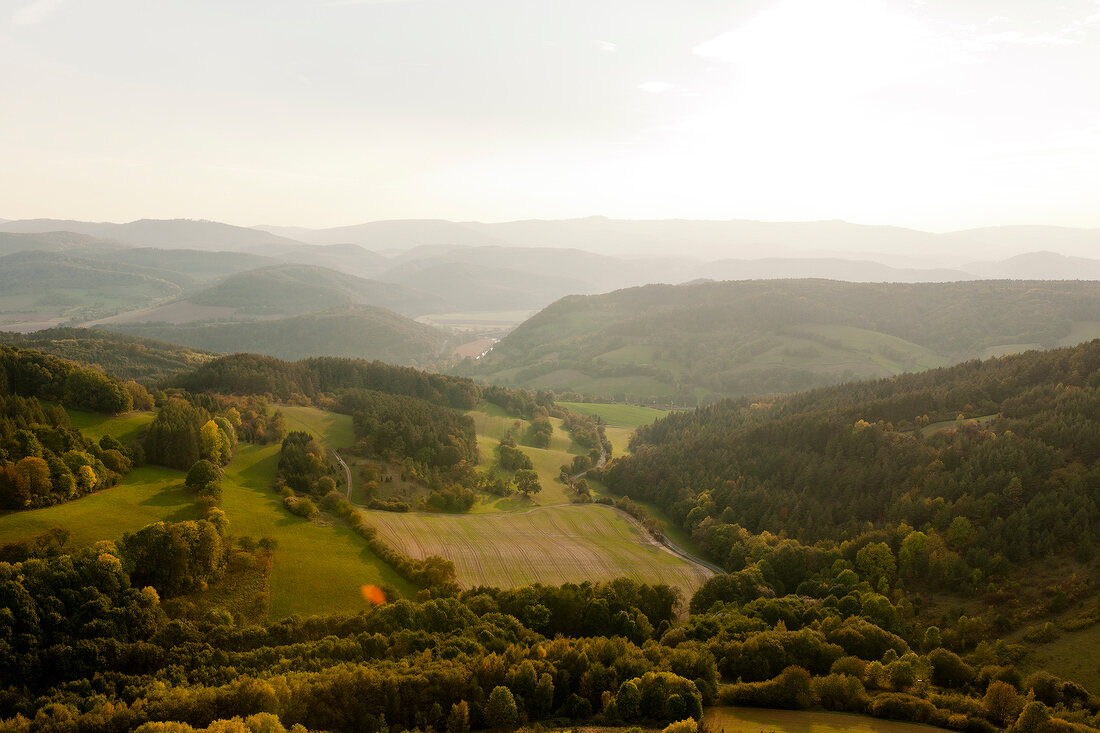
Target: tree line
(312,379)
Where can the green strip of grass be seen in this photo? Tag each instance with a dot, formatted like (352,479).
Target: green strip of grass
(124,427)
(335,429)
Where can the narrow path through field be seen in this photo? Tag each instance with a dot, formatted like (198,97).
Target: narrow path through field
(347,471)
(691,558)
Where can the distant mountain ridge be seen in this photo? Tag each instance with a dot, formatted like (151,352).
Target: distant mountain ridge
(708,240)
(160,233)
(438,268)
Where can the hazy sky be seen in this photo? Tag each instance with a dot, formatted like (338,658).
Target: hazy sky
(938,115)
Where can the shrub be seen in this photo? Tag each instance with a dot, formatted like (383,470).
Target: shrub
(682,726)
(852,666)
(1002,704)
(1047,687)
(899,706)
(301,505)
(790,690)
(949,670)
(839,692)
(1032,719)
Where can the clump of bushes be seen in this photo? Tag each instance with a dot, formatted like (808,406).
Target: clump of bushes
(303,506)
(791,690)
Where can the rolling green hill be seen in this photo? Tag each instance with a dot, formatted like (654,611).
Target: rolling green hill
(361,332)
(297,289)
(697,342)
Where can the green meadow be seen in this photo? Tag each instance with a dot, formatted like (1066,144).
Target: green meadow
(626,416)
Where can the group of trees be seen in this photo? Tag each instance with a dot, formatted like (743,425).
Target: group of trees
(45,461)
(182,433)
(396,426)
(175,557)
(587,432)
(303,461)
(510,457)
(541,428)
(517,402)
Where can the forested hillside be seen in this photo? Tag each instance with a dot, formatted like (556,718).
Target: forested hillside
(693,343)
(127,357)
(43,459)
(892,469)
(361,332)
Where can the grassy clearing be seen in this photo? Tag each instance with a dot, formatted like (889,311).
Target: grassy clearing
(1072,655)
(146,495)
(125,427)
(334,429)
(478,321)
(317,569)
(1080,332)
(492,423)
(627,416)
(619,438)
(936,427)
(750,720)
(550,545)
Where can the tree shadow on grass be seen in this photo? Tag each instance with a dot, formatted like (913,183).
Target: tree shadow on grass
(174,495)
(261,472)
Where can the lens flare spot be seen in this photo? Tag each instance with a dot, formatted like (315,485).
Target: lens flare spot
(373,594)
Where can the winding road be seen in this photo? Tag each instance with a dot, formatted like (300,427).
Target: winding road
(347,471)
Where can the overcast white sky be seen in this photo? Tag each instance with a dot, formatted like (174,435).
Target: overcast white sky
(937,115)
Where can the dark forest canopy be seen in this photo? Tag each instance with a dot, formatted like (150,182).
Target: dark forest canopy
(29,373)
(87,650)
(845,462)
(311,378)
(701,341)
(404,426)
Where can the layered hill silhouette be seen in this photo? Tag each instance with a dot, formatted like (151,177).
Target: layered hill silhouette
(208,275)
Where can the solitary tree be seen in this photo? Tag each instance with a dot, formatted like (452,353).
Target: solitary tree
(527,481)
